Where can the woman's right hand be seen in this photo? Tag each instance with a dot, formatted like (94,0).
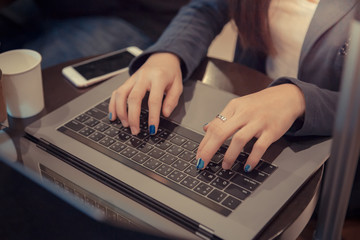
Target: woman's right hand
(160,74)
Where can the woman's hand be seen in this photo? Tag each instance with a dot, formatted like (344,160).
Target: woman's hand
(265,115)
(160,74)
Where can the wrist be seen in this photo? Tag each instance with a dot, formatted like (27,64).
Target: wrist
(297,97)
(165,57)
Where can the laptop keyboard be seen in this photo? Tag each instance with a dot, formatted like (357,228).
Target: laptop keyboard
(169,157)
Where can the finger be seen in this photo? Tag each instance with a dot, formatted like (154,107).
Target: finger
(205,127)
(238,141)
(154,104)
(172,97)
(258,150)
(217,132)
(117,105)
(112,111)
(134,106)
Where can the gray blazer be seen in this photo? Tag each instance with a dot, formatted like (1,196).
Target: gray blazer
(322,55)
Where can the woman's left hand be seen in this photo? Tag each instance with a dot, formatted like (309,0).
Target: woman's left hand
(265,115)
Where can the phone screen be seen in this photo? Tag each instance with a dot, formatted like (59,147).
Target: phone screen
(105,65)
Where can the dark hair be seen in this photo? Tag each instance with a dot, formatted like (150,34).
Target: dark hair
(251,19)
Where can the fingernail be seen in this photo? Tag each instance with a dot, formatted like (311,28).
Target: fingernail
(110,116)
(247,168)
(205,124)
(200,164)
(152,129)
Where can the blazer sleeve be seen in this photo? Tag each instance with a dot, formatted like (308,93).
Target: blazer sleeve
(320,109)
(189,34)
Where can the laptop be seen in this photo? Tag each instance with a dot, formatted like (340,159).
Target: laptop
(151,183)
(27,208)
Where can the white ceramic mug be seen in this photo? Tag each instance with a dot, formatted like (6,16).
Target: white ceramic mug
(22,82)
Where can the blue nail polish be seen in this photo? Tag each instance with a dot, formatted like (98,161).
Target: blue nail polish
(205,124)
(152,129)
(200,164)
(110,116)
(247,168)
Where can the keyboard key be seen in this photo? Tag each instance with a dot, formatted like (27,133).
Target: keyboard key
(242,157)
(96,136)
(206,176)
(91,122)
(112,132)
(86,131)
(144,126)
(104,106)
(222,149)
(178,140)
(117,147)
(190,182)
(266,167)
(213,167)
(164,170)
(152,139)
(122,137)
(226,174)
(128,152)
(82,118)
(238,167)
(217,195)
(189,145)
(217,157)
(115,124)
(187,156)
(165,134)
(237,191)
(134,142)
(177,176)
(163,144)
(152,163)
(175,150)
(142,134)
(145,147)
(180,164)
(107,141)
(74,125)
(101,127)
(140,158)
(231,202)
(168,159)
(245,182)
(220,183)
(192,171)
(256,175)
(96,113)
(156,153)
(203,189)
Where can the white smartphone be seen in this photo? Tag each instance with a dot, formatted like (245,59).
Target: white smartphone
(99,68)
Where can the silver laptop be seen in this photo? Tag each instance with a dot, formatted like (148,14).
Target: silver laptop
(151,183)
